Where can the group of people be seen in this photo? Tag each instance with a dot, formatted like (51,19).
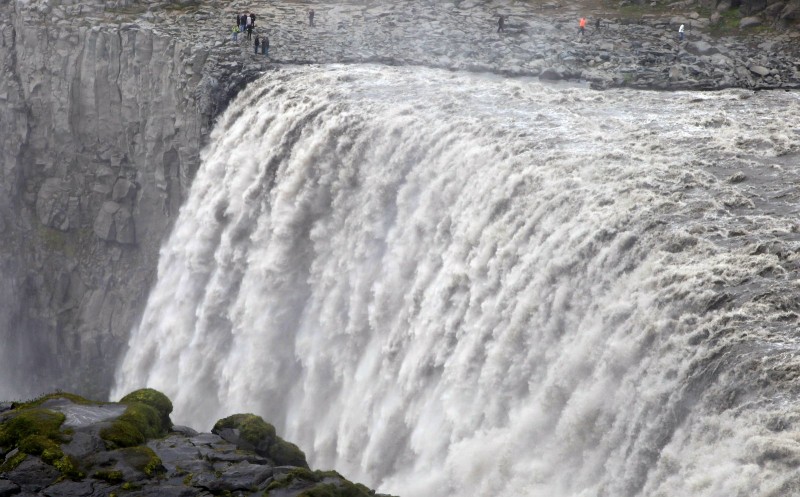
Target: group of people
(246,23)
(501,26)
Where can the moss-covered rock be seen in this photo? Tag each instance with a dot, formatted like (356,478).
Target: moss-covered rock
(146,417)
(154,399)
(252,429)
(13,461)
(143,459)
(75,399)
(37,432)
(260,436)
(342,489)
(318,484)
(26,422)
(287,454)
(110,476)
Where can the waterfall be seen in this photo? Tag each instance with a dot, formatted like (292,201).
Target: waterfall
(450,284)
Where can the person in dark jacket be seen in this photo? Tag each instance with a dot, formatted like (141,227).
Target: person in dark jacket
(249,31)
(252,19)
(265,45)
(256,45)
(501,23)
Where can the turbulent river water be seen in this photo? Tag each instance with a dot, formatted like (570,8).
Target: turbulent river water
(461,285)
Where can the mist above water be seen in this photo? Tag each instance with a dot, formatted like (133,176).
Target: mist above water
(449,284)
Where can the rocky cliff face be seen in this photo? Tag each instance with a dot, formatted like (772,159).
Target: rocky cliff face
(101,122)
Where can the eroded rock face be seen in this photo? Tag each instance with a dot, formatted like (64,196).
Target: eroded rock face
(100,131)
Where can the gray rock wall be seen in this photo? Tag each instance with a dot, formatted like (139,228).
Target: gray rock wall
(100,130)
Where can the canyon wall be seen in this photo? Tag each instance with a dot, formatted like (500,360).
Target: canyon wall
(101,124)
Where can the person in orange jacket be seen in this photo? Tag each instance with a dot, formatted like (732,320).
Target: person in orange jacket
(582,26)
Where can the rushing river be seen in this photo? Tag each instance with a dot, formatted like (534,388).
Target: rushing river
(463,285)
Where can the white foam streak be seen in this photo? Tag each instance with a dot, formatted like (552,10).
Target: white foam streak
(448,285)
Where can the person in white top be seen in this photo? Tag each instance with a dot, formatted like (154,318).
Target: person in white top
(680,32)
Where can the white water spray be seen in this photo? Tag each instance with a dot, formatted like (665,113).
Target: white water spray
(444,284)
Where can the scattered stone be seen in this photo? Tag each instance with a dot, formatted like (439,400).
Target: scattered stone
(760,70)
(701,48)
(749,22)
(737,177)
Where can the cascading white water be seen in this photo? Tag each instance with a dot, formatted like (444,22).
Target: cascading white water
(460,285)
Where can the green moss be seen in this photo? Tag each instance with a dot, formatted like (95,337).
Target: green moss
(37,444)
(187,480)
(12,463)
(75,399)
(287,454)
(143,459)
(123,434)
(257,432)
(110,476)
(32,421)
(154,399)
(344,489)
(69,468)
(300,474)
(51,455)
(129,487)
(147,416)
(252,428)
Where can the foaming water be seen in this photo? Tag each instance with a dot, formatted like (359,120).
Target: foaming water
(448,284)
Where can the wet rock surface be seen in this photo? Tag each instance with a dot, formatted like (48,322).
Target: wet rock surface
(181,463)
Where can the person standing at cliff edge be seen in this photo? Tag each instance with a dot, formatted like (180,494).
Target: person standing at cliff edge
(582,26)
(501,23)
(255,45)
(680,33)
(311,18)
(236,33)
(265,46)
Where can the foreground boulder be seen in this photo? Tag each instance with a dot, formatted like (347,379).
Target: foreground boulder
(65,445)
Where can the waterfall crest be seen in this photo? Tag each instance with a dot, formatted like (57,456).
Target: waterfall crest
(444,284)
